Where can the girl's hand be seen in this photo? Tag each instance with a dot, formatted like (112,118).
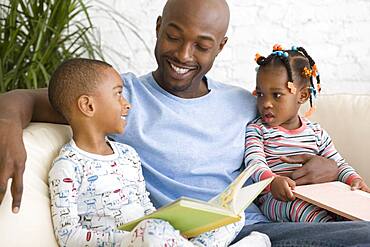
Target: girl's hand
(359,184)
(281,188)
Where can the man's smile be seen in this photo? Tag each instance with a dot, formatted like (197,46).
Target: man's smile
(180,71)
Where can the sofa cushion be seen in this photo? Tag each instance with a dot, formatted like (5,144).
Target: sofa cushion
(32,226)
(346,118)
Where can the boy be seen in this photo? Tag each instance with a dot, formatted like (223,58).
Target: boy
(97,184)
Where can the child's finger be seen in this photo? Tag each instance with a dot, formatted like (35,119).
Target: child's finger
(291,184)
(355,184)
(365,188)
(288,194)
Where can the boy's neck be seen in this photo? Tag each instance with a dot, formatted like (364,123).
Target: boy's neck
(91,141)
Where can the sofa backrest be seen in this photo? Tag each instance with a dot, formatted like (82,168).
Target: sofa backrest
(346,118)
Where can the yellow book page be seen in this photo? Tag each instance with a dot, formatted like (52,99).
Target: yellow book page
(227,198)
(246,195)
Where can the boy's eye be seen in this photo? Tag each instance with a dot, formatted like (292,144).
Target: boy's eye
(259,94)
(119,93)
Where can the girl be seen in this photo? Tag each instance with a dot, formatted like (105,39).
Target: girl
(284,83)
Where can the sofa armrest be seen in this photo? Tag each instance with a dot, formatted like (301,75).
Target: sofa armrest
(32,226)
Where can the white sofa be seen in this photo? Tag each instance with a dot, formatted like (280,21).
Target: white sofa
(345,117)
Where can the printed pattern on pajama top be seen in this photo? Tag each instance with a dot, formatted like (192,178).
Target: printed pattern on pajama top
(93,194)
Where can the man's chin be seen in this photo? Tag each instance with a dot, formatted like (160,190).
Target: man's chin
(178,90)
(176,85)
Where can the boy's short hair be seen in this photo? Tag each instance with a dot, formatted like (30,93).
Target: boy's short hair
(72,79)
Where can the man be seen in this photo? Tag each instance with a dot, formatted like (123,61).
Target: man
(188,129)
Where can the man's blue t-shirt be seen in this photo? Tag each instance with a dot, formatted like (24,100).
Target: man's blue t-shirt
(188,147)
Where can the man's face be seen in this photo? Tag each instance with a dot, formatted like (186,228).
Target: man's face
(187,43)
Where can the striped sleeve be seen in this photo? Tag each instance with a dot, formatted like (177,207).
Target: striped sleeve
(254,152)
(327,149)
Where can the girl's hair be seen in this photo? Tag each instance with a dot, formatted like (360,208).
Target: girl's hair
(298,64)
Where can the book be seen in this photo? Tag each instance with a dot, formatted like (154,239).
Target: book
(338,198)
(193,217)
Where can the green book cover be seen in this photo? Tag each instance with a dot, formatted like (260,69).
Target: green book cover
(193,217)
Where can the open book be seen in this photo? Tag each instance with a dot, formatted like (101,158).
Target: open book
(192,217)
(338,198)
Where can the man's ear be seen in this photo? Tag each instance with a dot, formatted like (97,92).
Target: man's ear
(304,94)
(222,44)
(158,25)
(86,105)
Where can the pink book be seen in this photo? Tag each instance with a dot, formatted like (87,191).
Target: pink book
(337,197)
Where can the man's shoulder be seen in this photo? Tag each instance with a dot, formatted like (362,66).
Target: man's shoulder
(231,91)
(227,86)
(130,78)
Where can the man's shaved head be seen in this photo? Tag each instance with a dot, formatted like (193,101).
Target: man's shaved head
(215,11)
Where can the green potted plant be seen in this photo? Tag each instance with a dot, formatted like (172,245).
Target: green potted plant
(37,35)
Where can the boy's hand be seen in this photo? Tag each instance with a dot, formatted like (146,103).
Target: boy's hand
(359,184)
(281,188)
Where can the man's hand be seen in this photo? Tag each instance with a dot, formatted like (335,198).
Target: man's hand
(315,169)
(17,109)
(281,188)
(359,184)
(12,161)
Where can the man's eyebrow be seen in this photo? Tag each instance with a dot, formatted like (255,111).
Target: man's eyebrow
(203,37)
(171,24)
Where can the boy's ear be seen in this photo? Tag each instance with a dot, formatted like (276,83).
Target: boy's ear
(86,105)
(304,94)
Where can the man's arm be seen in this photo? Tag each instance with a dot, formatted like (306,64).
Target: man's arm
(315,169)
(17,109)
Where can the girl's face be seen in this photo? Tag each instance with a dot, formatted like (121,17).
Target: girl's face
(276,105)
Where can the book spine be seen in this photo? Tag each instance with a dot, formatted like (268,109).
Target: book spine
(195,232)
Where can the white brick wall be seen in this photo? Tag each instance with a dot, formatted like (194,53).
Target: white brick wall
(335,32)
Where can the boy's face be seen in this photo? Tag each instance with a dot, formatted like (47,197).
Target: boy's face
(111,107)
(276,104)
(189,37)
